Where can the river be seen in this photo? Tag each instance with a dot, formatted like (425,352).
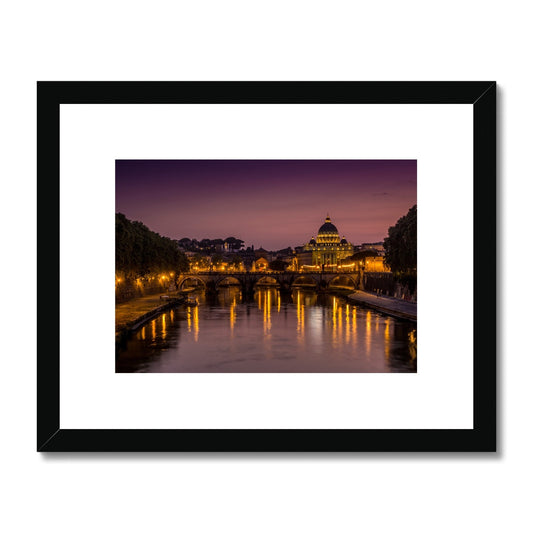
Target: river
(303,331)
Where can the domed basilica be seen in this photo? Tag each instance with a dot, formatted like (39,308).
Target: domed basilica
(327,249)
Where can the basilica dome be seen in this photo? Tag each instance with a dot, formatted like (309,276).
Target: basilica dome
(328,227)
(328,233)
(327,250)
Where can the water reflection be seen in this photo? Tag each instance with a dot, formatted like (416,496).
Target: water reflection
(387,338)
(272,332)
(163,326)
(195,323)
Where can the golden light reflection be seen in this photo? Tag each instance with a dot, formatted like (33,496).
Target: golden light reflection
(264,315)
(232,315)
(300,317)
(153,329)
(164,326)
(387,338)
(267,306)
(189,319)
(143,333)
(196,322)
(334,317)
(302,322)
(368,332)
(354,324)
(412,344)
(347,324)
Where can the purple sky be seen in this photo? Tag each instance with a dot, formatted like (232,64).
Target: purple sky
(269,203)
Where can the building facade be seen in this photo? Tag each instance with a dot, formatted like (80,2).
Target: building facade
(327,250)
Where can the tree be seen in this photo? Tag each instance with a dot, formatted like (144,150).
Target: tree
(362,255)
(200,261)
(233,243)
(235,262)
(400,245)
(140,251)
(185,243)
(216,260)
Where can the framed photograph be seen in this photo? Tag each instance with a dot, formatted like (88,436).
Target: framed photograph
(266,266)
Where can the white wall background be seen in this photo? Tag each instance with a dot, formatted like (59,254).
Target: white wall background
(237,40)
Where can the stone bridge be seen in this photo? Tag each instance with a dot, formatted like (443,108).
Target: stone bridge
(286,280)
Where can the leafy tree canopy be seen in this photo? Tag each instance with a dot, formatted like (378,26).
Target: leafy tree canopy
(361,255)
(400,245)
(216,260)
(140,251)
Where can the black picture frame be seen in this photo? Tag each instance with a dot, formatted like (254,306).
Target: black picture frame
(52,438)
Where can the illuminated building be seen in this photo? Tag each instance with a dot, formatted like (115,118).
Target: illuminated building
(327,250)
(378,246)
(260,264)
(370,263)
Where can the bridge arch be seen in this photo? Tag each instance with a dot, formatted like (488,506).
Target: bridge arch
(220,283)
(268,279)
(343,280)
(305,280)
(181,282)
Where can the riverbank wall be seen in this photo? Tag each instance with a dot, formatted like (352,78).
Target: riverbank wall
(387,284)
(128,289)
(385,304)
(130,317)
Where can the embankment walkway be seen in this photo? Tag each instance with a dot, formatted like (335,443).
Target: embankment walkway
(385,304)
(129,315)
